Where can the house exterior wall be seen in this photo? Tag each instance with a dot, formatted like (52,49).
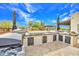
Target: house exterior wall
(74,22)
(74,27)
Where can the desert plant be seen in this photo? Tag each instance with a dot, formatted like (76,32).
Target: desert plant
(38,26)
(6,25)
(30,24)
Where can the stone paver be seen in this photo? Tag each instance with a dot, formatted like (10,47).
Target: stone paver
(43,49)
(52,49)
(67,51)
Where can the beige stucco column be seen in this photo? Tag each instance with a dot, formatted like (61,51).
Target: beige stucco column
(57,37)
(24,42)
(64,38)
(73,40)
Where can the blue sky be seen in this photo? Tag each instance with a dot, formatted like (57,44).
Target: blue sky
(46,12)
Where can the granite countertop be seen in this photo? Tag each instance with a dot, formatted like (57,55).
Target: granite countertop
(35,34)
(47,33)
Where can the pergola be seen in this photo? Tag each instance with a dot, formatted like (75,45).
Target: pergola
(66,23)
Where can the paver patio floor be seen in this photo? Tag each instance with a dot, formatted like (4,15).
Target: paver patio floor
(67,51)
(45,49)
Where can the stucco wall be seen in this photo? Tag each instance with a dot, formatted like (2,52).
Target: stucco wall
(74,22)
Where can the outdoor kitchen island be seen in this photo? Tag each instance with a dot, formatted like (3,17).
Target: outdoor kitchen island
(35,38)
(31,39)
(46,41)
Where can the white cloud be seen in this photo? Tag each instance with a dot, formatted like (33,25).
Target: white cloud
(71,11)
(72,5)
(66,18)
(67,5)
(14,4)
(63,14)
(25,16)
(64,7)
(53,21)
(2,7)
(22,15)
(30,8)
(77,7)
(38,20)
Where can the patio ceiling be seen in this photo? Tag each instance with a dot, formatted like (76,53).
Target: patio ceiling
(67,22)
